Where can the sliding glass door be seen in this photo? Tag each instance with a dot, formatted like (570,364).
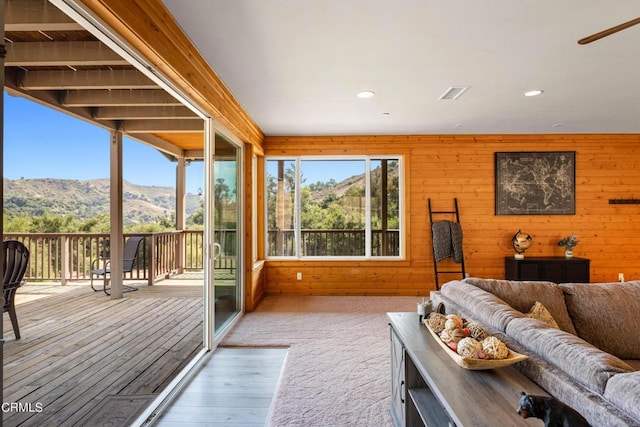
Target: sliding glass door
(227,220)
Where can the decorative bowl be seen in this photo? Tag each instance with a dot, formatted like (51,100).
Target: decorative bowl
(477,364)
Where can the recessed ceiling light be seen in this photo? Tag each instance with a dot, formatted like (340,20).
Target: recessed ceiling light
(366,94)
(534,92)
(386,114)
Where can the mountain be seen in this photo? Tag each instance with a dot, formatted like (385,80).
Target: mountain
(338,189)
(86,199)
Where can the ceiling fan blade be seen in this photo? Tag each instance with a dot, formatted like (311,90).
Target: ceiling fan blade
(609,31)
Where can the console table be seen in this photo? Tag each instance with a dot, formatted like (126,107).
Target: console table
(429,389)
(552,269)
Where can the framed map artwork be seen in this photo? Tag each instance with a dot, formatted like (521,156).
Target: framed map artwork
(536,183)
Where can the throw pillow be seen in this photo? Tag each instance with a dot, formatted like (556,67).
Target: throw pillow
(540,312)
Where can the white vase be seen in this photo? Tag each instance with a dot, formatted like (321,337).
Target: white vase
(568,253)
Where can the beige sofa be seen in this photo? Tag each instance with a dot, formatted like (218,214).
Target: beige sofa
(591,361)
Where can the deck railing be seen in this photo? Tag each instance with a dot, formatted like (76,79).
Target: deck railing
(334,242)
(66,257)
(69,256)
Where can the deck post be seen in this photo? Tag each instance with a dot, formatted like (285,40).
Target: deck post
(180,213)
(151,259)
(116,242)
(65,259)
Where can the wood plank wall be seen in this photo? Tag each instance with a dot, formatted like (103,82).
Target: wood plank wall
(445,167)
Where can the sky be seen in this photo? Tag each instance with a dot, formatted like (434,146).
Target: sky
(40,142)
(314,171)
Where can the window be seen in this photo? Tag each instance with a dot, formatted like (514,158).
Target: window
(333,207)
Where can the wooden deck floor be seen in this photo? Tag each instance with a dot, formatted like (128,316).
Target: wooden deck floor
(79,349)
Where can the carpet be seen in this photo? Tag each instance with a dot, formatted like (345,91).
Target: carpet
(337,372)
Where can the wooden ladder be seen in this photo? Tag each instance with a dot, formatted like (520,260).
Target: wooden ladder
(456,213)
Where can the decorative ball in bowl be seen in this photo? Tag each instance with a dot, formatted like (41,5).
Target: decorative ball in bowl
(469,344)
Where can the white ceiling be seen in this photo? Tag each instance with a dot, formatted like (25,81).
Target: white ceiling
(296,65)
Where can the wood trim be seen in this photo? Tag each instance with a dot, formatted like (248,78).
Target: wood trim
(261,206)
(253,281)
(148,27)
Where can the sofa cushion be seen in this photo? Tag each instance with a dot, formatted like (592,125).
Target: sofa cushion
(580,360)
(481,306)
(606,315)
(523,295)
(624,391)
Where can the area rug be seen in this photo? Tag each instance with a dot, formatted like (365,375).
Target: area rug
(337,372)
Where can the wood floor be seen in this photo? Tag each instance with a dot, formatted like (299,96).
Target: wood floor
(80,348)
(234,387)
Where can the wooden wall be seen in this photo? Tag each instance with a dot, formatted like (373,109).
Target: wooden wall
(445,167)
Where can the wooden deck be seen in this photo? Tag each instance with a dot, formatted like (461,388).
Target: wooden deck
(79,349)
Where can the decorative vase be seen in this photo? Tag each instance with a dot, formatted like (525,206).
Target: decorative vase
(568,253)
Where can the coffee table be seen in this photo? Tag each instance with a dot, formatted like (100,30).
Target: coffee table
(429,389)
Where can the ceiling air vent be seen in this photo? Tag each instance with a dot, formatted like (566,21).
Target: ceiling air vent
(454,92)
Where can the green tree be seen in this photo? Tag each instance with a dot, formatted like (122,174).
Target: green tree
(196,219)
(16,223)
(98,224)
(54,224)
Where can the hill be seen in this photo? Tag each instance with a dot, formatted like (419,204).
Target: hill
(338,189)
(86,199)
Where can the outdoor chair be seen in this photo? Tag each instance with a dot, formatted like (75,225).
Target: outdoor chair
(130,258)
(16,259)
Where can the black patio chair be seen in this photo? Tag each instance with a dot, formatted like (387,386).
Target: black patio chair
(130,258)
(16,259)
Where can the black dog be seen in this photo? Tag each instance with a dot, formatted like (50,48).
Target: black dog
(553,412)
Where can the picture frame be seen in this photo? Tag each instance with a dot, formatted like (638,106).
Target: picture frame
(535,183)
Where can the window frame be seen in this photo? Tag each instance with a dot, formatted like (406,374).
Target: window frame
(368,230)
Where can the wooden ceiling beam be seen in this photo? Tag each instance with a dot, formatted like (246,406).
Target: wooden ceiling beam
(41,54)
(144,112)
(50,99)
(36,15)
(85,79)
(158,144)
(159,126)
(194,154)
(186,141)
(116,97)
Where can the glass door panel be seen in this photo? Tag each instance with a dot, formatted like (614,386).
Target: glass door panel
(226,222)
